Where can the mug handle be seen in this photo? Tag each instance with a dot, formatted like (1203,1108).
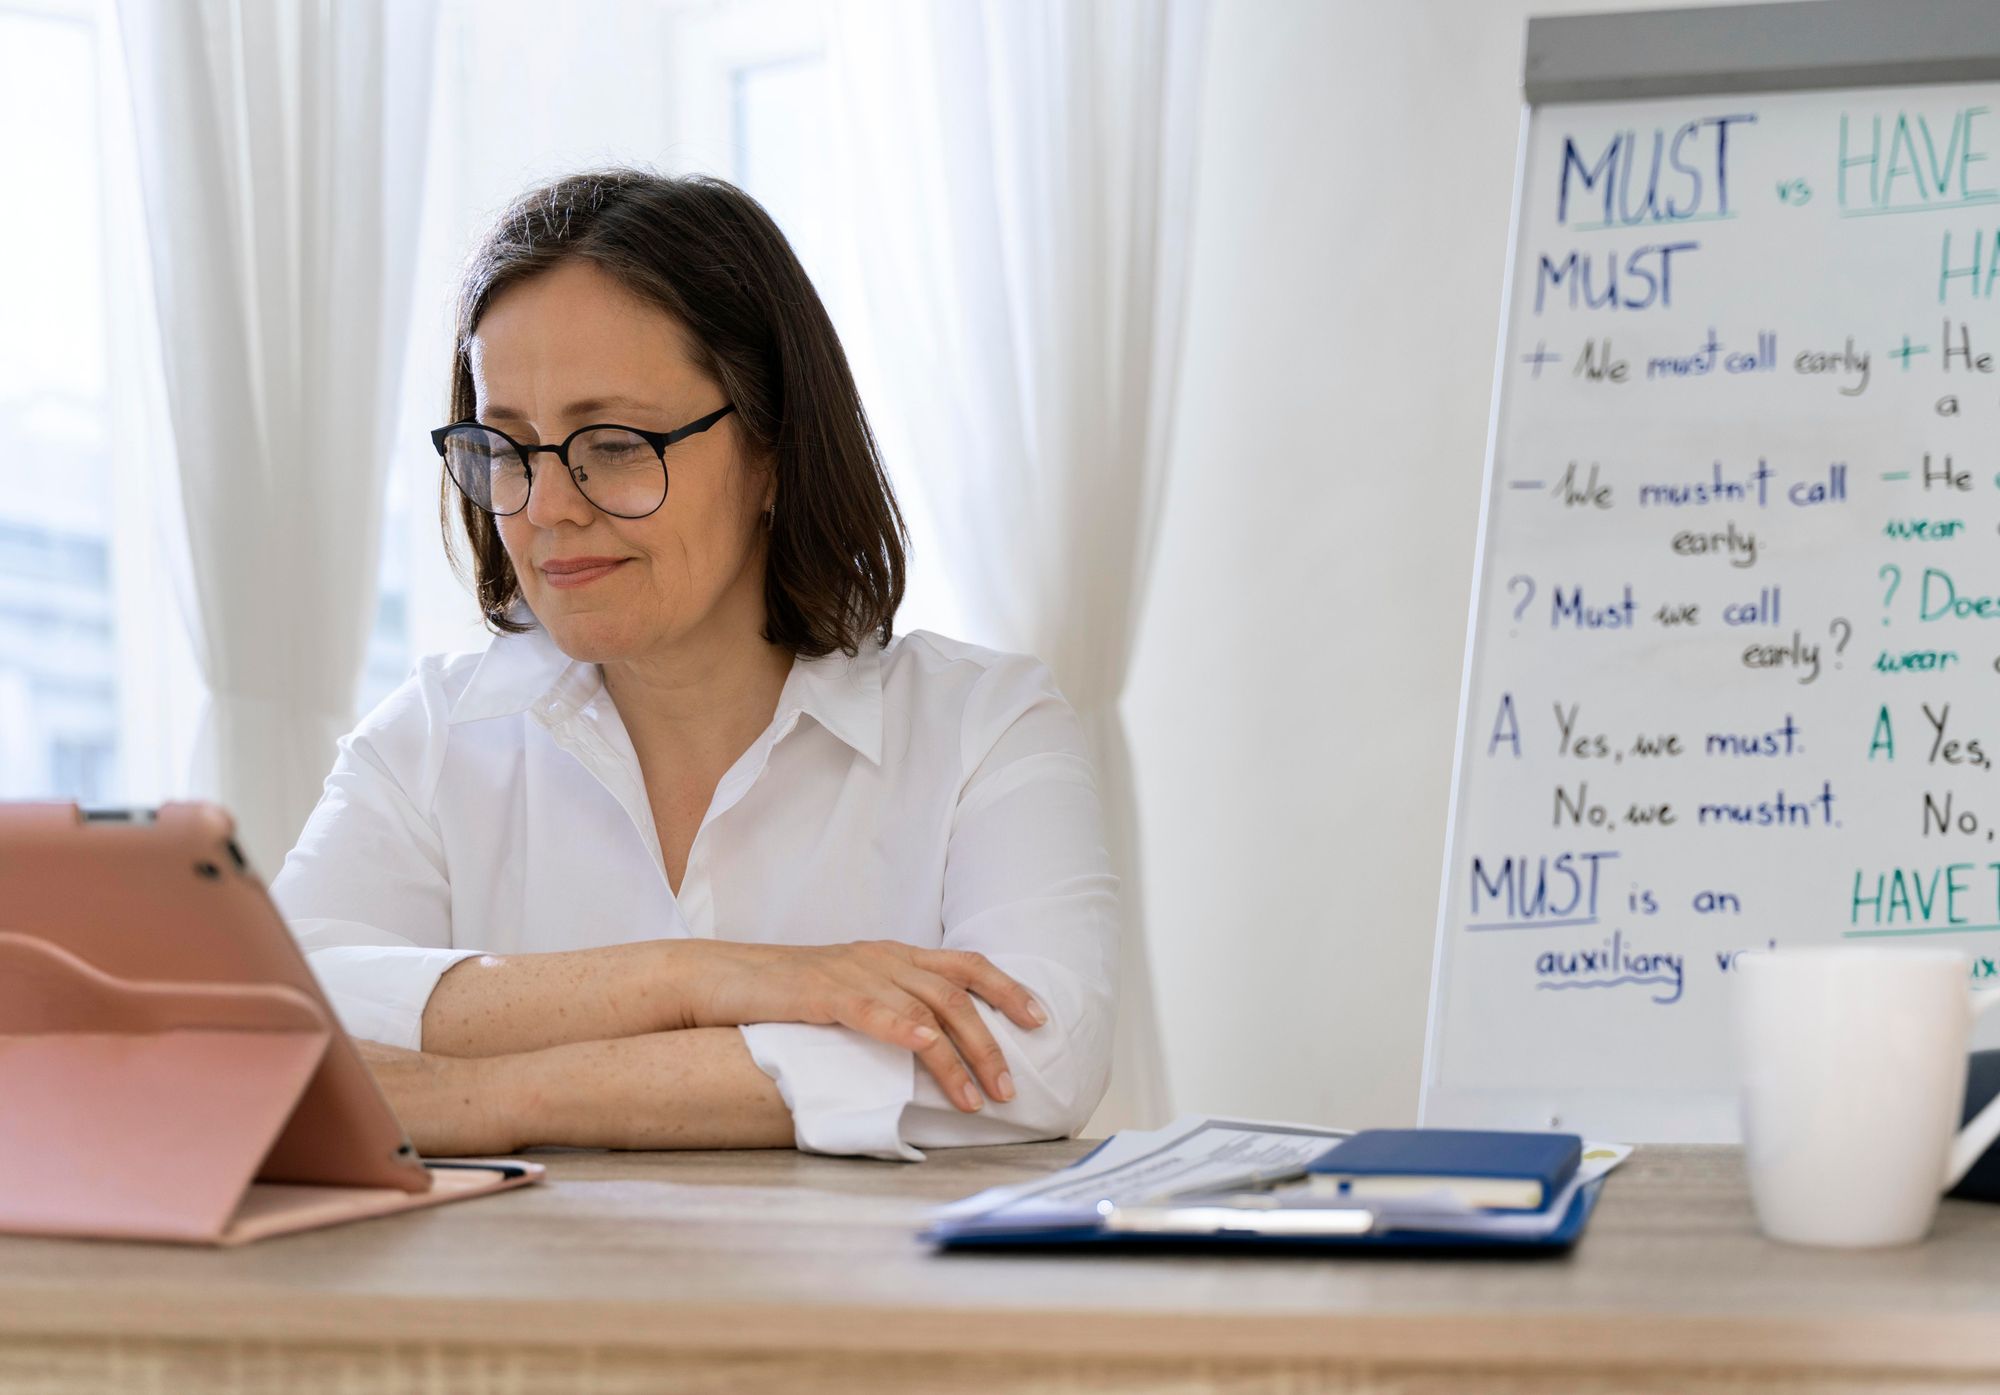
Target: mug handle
(1976,1137)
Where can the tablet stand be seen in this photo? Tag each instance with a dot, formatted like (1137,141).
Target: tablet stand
(144,1110)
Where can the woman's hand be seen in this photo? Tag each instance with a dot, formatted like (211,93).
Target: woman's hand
(449,1105)
(918,999)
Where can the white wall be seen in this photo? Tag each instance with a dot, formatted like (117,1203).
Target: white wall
(1294,702)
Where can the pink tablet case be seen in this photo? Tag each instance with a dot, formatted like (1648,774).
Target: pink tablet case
(143,1110)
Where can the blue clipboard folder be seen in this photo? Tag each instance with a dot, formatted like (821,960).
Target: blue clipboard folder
(1268,1215)
(970,1234)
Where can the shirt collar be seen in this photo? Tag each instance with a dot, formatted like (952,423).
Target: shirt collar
(842,694)
(523,672)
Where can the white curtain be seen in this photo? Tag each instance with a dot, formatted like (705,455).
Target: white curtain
(280,150)
(1020,177)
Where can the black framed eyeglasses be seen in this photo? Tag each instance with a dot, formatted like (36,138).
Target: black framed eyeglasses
(619,469)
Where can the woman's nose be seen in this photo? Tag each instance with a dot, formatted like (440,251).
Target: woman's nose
(553,496)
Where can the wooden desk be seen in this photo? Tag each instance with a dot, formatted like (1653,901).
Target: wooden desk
(720,1272)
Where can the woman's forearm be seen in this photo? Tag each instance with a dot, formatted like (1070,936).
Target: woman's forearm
(696,1088)
(499,1005)
(918,999)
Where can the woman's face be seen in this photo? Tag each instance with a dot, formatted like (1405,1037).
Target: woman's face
(571,347)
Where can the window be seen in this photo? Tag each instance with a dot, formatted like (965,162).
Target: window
(99,693)
(59,699)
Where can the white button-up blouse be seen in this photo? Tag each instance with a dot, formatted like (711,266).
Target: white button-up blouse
(931,792)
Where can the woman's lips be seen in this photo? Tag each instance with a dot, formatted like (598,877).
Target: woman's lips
(565,575)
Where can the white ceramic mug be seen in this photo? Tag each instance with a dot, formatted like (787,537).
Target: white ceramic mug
(1853,1067)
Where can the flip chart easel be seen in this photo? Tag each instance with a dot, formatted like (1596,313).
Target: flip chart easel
(1733,663)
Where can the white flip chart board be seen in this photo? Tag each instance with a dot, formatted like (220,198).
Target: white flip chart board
(1733,672)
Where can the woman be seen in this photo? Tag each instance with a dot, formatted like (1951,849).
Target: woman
(698,853)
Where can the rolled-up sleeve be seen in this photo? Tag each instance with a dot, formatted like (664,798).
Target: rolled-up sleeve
(365,889)
(1027,883)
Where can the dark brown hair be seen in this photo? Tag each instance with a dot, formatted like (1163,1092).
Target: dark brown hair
(709,255)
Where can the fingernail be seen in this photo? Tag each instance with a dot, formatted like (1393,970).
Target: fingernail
(970,1094)
(1035,1011)
(1006,1085)
(925,1036)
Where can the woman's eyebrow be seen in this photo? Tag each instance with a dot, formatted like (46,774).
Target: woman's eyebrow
(578,408)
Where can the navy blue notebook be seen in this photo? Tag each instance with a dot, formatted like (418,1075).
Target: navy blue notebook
(1486,1168)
